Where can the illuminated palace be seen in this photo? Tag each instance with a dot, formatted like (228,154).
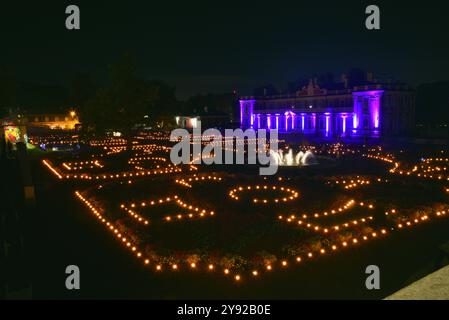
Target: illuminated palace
(371,110)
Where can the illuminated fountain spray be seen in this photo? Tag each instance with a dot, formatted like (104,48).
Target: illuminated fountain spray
(287,159)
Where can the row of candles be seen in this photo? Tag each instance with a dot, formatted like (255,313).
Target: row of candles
(194,210)
(209,267)
(73,166)
(114,176)
(108,142)
(291,194)
(302,220)
(426,170)
(351,183)
(187,182)
(283,263)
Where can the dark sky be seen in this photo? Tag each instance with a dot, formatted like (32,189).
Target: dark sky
(217,46)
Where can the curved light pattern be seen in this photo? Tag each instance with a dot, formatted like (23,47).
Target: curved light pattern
(195,212)
(427,168)
(290,193)
(187,182)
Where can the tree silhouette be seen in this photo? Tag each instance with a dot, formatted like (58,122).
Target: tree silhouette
(7,90)
(124,102)
(81,88)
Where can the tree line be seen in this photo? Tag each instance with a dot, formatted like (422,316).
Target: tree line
(124,100)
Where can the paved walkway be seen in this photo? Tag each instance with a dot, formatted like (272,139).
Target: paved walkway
(435,286)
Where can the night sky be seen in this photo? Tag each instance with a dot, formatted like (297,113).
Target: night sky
(218,46)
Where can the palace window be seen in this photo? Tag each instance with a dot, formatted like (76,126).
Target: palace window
(365,106)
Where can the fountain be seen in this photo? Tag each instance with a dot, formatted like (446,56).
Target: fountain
(287,159)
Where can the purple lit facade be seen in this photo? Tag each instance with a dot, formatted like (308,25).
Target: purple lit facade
(364,111)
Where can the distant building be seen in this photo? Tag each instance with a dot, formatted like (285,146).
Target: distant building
(369,110)
(16,128)
(53,121)
(207,120)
